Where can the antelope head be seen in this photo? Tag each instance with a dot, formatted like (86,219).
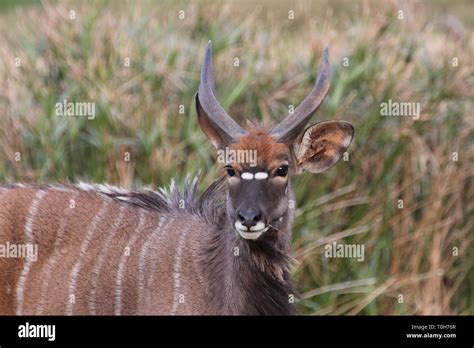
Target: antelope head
(259,190)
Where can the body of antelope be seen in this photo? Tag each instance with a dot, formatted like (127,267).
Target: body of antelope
(98,249)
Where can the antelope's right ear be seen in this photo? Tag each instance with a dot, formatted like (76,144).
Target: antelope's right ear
(323,145)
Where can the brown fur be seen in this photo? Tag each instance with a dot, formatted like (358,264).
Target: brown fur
(205,247)
(270,153)
(51,210)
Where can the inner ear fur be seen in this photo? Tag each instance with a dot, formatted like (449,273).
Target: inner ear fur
(322,145)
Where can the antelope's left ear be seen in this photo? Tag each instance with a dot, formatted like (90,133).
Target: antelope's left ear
(322,145)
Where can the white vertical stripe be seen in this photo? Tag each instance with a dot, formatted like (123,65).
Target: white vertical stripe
(56,253)
(29,239)
(85,245)
(122,264)
(177,269)
(159,231)
(100,260)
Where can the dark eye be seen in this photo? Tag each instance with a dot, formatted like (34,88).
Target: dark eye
(282,170)
(230,170)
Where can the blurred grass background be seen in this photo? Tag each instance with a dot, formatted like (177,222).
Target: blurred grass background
(409,251)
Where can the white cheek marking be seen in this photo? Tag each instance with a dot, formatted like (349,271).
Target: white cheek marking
(261,175)
(246,176)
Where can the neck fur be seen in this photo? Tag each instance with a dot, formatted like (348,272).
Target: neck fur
(249,277)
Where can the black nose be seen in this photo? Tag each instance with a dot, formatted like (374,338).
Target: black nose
(249,217)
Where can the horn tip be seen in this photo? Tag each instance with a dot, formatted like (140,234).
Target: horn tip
(208,54)
(326,53)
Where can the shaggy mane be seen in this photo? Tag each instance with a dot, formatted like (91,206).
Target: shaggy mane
(210,204)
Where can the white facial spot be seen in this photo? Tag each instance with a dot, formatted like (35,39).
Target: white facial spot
(246,176)
(250,176)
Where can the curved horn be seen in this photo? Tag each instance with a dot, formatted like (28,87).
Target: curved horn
(227,128)
(292,126)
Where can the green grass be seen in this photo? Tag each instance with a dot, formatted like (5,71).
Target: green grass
(408,251)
